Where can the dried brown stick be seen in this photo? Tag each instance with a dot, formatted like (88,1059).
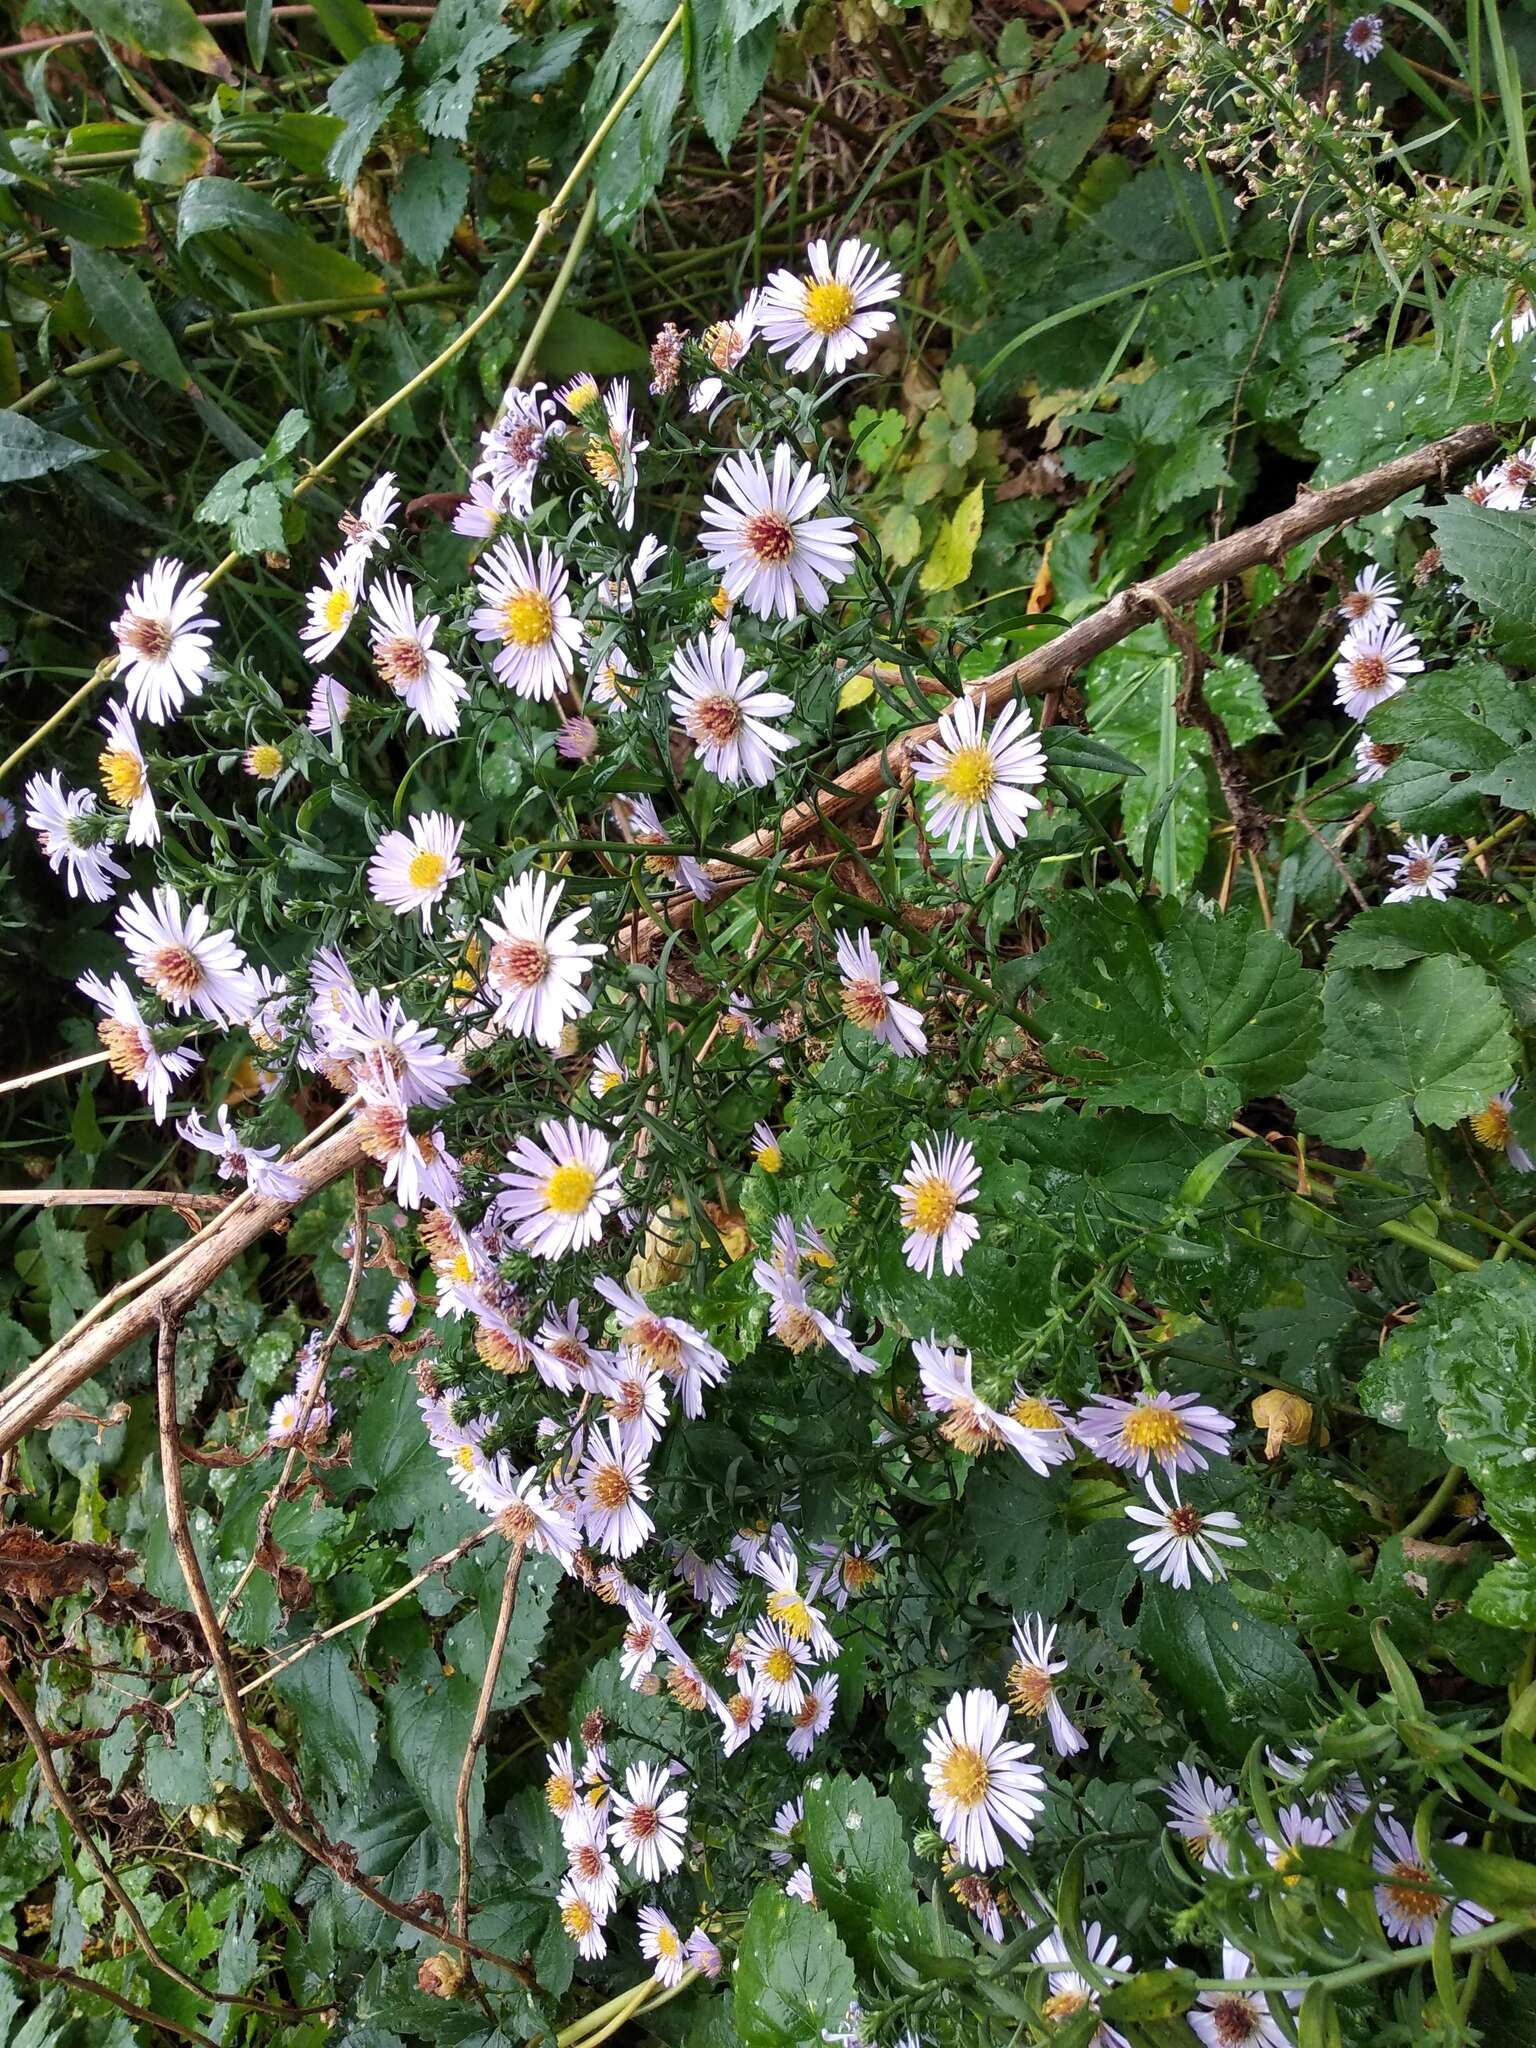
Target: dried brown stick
(478,1726)
(55,1973)
(1250,827)
(337,1857)
(110,1198)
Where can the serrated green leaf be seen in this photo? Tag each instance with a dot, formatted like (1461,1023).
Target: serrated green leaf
(1454,728)
(1505,1597)
(794,1978)
(340,1722)
(1491,554)
(364,95)
(427,202)
(1237,1673)
(857,1850)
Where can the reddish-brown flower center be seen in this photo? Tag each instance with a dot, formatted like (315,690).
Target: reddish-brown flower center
(770,538)
(715,721)
(400,661)
(175,971)
(152,639)
(864,1003)
(518,963)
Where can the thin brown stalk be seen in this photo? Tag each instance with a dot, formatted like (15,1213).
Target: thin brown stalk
(478,1727)
(55,1973)
(110,1198)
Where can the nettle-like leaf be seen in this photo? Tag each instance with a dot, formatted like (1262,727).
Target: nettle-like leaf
(857,1850)
(1465,734)
(794,1978)
(1491,554)
(1184,1012)
(1393,934)
(1461,1377)
(1431,1041)
(1235,1671)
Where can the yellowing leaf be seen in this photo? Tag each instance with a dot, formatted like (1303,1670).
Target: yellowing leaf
(854,691)
(954,548)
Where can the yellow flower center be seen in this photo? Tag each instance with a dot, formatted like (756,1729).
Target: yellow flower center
(337,609)
(931,1206)
(798,1329)
(659,1346)
(667,1943)
(527,619)
(1490,1126)
(464,1457)
(770,1158)
(602,462)
(1034,1413)
(127,1053)
(1030,1689)
(1062,2005)
(569,1189)
(969,774)
(174,971)
(264,761)
(582,397)
(577,1918)
(601,1083)
(1287,1866)
(122,776)
(426,870)
(779,1665)
(560,1794)
(610,1487)
(829,306)
(792,1614)
(864,1003)
(965,1776)
(1158,1430)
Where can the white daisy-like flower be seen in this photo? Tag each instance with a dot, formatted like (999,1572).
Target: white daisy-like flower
(512,449)
(1425,867)
(634,1397)
(813,1716)
(7,817)
(802,1885)
(592,1870)
(1032,1679)
(613,1491)
(1363,39)
(617,591)
(1179,1536)
(1511,481)
(188,964)
(741,1713)
(779,1661)
(1195,1803)
(240,1161)
(535,966)
(725,344)
(410,872)
(703,1954)
(847,1573)
(762,534)
(608,1072)
(1517,320)
(662,1947)
(709,1579)
(1412,1895)
(1374,664)
(581,397)
(971,1424)
(1372,759)
(563,1354)
(767,1153)
(562,1793)
(559,1190)
(402,1306)
(333,604)
(1174,1430)
(666,1344)
(417,1164)
(526,608)
(1492,1129)
(614,682)
(407,659)
(581,1921)
(941,1178)
(479,515)
(163,640)
(329,704)
(1071,1992)
(125,778)
(837,311)
(650,1821)
(978,1781)
(984,781)
(288,1426)
(612,449)
(73,837)
(1340,1802)
(779,1569)
(648,1636)
(789,1818)
(1234,2017)
(798,1324)
(461,1446)
(1298,1830)
(391,1056)
(725,712)
(867,998)
(525,1512)
(1373,600)
(130,1044)
(370,526)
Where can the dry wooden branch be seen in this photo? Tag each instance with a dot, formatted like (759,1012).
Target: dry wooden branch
(478,1726)
(337,1857)
(110,1198)
(1250,827)
(55,1973)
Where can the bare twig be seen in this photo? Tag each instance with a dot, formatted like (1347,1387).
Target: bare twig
(1249,824)
(110,1198)
(55,1973)
(79,36)
(477,1727)
(54,1073)
(1332,852)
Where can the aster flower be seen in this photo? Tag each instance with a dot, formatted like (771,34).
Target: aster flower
(561,1793)
(125,778)
(1509,482)
(866,998)
(369,528)
(1071,1992)
(1298,1830)
(617,591)
(608,1072)
(1363,39)
(613,1489)
(576,739)
(410,872)
(725,344)
(662,1946)
(559,1190)
(778,1660)
(526,607)
(802,1886)
(1412,1895)
(762,534)
(417,1164)
(1174,1430)
(239,1161)
(666,358)
(666,1344)
(263,762)
(512,449)
(837,311)
(813,1716)
(766,1150)
(563,1353)
(1425,867)
(741,1713)
(7,817)
(1180,1536)
(1032,1682)
(478,515)
(1372,759)
(798,1324)
(1194,1804)
(536,966)
(402,1306)
(188,964)
(390,1054)
(524,1512)
(649,1822)
(407,659)
(1340,1802)
(329,704)
(648,1635)
(163,638)
(1492,1129)
(779,1569)
(612,448)
(1373,601)
(73,837)
(703,1955)
(634,1397)
(614,683)
(978,1781)
(288,1426)
(984,781)
(725,713)
(709,1580)
(130,1044)
(592,1870)
(333,604)
(970,1424)
(1516,321)
(847,1574)
(941,1178)
(1235,2017)
(461,1446)
(1374,663)
(786,1824)
(581,1922)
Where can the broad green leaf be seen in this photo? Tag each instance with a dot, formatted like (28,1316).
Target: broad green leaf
(1392,934)
(120,304)
(575,341)
(364,96)
(875,435)
(339,1721)
(28,450)
(1061,121)
(1383,408)
(171,153)
(428,1714)
(1455,728)
(1186,1014)
(1016,1521)
(300,267)
(160,28)
(857,1849)
(1506,1595)
(794,1979)
(728,68)
(427,201)
(464,36)
(90,210)
(1236,1672)
(1431,1041)
(634,157)
(1504,1884)
(954,547)
(1491,554)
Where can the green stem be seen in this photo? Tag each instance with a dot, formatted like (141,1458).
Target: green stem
(1429,1514)
(556,291)
(1431,1247)
(1492,1936)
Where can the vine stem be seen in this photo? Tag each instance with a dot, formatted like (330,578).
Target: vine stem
(557,291)
(547,220)
(1429,1513)
(1494,1935)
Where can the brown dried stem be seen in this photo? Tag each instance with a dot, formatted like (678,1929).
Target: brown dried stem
(1250,827)
(55,1973)
(478,1726)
